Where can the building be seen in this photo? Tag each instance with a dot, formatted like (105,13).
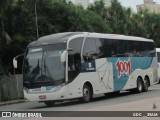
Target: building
(148,2)
(85,3)
(150,5)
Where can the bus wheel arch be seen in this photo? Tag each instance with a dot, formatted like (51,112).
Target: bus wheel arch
(146,83)
(87,92)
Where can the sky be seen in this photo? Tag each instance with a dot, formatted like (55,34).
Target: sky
(133,3)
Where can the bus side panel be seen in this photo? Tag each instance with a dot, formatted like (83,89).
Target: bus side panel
(76,86)
(145,66)
(154,71)
(101,78)
(105,72)
(121,70)
(115,74)
(127,69)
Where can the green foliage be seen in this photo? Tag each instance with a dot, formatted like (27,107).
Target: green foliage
(18,28)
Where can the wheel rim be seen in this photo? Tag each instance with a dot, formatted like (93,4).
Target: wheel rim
(86,94)
(139,86)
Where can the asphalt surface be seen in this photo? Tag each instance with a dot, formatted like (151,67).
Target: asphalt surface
(98,102)
(125,101)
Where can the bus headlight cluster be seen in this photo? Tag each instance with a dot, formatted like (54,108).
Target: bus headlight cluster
(58,88)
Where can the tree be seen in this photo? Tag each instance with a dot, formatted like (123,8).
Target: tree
(4,37)
(18,28)
(116,17)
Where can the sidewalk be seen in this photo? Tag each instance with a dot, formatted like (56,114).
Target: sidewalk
(12,102)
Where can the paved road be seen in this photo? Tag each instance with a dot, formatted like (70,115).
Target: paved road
(124,102)
(98,102)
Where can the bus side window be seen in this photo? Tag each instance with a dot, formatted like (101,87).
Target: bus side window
(90,52)
(74,58)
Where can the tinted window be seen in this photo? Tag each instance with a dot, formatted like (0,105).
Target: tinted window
(127,48)
(130,48)
(90,50)
(148,49)
(74,58)
(137,48)
(109,48)
(101,48)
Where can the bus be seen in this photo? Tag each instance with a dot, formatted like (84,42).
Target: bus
(79,65)
(158,58)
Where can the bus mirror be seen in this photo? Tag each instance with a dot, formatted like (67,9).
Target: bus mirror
(63,56)
(14,62)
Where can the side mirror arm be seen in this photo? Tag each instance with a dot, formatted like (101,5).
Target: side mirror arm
(15,60)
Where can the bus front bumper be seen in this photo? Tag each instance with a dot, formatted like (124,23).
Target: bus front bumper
(61,94)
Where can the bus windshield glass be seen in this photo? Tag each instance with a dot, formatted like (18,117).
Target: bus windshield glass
(43,66)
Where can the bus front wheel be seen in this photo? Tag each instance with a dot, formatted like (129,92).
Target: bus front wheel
(87,94)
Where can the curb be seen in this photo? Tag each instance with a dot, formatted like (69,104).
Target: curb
(12,102)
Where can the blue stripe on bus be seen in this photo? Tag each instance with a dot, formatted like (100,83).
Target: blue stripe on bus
(123,67)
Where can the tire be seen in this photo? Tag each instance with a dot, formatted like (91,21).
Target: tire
(50,103)
(87,94)
(140,85)
(145,84)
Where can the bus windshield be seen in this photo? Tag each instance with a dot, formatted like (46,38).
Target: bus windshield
(43,67)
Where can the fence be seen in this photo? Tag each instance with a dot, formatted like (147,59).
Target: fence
(11,87)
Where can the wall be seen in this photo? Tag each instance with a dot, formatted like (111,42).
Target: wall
(11,87)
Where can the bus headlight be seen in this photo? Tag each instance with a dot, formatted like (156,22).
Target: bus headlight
(58,87)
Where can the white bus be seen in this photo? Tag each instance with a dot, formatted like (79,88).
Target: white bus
(158,58)
(73,65)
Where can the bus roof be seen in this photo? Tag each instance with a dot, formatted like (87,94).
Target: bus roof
(63,37)
(54,38)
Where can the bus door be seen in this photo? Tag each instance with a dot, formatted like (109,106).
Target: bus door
(74,67)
